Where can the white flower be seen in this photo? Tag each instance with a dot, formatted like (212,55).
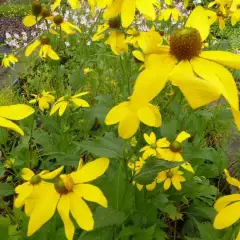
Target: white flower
(16,35)
(67,44)
(8,35)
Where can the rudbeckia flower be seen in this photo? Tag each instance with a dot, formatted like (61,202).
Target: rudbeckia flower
(73,3)
(199,74)
(172,151)
(136,168)
(33,187)
(45,49)
(171,176)
(14,112)
(127,10)
(43,100)
(67,27)
(155,146)
(63,102)
(227,207)
(9,59)
(67,195)
(129,114)
(117,42)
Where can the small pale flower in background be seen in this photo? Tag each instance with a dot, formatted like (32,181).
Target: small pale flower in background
(8,35)
(67,44)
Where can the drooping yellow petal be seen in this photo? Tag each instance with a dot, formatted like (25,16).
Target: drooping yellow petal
(151,186)
(162,176)
(32,47)
(176,183)
(27,174)
(63,208)
(158,117)
(146,8)
(52,54)
(151,139)
(91,170)
(80,102)
(10,125)
(182,136)
(79,95)
(146,116)
(81,212)
(138,55)
(30,20)
(23,192)
(117,113)
(44,209)
(62,108)
(188,167)
(163,143)
(226,58)
(55,4)
(128,12)
(90,193)
(16,112)
(128,126)
(227,216)
(198,19)
(222,202)
(114,9)
(231,180)
(74,4)
(167,184)
(52,174)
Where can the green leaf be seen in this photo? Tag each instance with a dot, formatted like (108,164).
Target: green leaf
(208,171)
(105,217)
(3,136)
(50,124)
(207,231)
(6,189)
(151,168)
(77,79)
(4,224)
(107,146)
(145,234)
(100,234)
(129,231)
(169,129)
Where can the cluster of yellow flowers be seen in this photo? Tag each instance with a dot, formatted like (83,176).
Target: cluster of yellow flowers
(43,193)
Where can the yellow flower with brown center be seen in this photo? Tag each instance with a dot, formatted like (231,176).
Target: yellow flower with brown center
(67,196)
(45,49)
(199,74)
(9,59)
(227,207)
(43,100)
(63,102)
(62,25)
(171,177)
(32,188)
(14,112)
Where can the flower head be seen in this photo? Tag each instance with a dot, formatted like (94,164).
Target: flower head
(171,176)
(43,100)
(14,112)
(67,195)
(45,49)
(9,59)
(63,102)
(32,187)
(9,163)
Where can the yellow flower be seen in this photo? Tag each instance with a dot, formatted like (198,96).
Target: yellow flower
(43,100)
(170,12)
(127,9)
(117,42)
(216,16)
(9,163)
(99,4)
(221,5)
(199,74)
(155,146)
(231,180)
(87,70)
(67,195)
(73,3)
(227,207)
(235,17)
(67,27)
(45,50)
(100,32)
(9,59)
(33,187)
(171,176)
(14,112)
(129,114)
(136,167)
(63,102)
(133,142)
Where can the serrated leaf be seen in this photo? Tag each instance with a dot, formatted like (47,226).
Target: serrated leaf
(107,146)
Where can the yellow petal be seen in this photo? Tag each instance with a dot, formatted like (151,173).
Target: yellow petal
(188,167)
(32,47)
(55,108)
(79,95)
(151,186)
(30,20)
(197,91)
(175,14)
(158,117)
(62,108)
(146,116)
(162,176)
(128,126)
(52,174)
(176,183)
(91,170)
(10,125)
(63,208)
(90,193)
(222,202)
(53,55)
(117,113)
(44,209)
(55,4)
(74,4)
(128,12)
(198,19)
(167,184)
(151,139)
(138,55)
(23,192)
(182,136)
(80,102)
(27,174)
(146,8)
(81,212)
(163,143)
(16,112)
(227,216)
(226,58)
(114,9)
